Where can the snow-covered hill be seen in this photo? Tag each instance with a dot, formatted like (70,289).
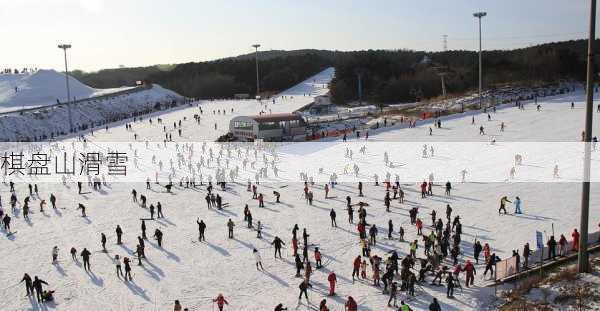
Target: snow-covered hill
(42,88)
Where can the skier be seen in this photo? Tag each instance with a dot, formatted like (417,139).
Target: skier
(356,268)
(119,233)
(323,305)
(201,229)
(303,290)
(53,200)
(332,215)
(127,265)
(117,262)
(258,259)
(393,291)
(85,254)
(6,222)
(230,226)
(477,248)
(518,205)
(158,235)
(350,305)
(220,300)
(332,281)
(103,241)
(503,202)
(470,273)
(82,208)
(435,305)
(277,242)
(28,284)
(318,264)
(37,285)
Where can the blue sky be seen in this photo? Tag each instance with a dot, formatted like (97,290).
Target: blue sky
(109,33)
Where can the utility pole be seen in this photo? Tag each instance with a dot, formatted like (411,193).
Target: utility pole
(256,46)
(583,264)
(479,15)
(64,47)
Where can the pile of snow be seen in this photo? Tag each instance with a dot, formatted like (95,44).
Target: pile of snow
(48,122)
(41,88)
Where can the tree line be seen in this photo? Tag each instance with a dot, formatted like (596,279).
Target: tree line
(387,76)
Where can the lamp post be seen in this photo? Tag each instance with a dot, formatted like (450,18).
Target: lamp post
(583,264)
(256,46)
(479,15)
(64,47)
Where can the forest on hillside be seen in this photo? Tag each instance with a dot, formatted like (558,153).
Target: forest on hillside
(386,76)
(406,76)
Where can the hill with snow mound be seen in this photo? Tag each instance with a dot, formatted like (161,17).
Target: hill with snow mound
(41,88)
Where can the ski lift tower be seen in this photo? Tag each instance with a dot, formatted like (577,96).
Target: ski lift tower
(256,46)
(479,15)
(64,47)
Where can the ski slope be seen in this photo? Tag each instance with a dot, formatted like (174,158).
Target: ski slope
(42,88)
(219,112)
(194,273)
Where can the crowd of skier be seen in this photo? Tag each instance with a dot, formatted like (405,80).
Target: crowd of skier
(437,256)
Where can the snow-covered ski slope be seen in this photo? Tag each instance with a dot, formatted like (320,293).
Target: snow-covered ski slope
(219,112)
(42,88)
(194,272)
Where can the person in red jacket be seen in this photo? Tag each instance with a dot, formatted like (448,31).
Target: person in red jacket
(318,258)
(419,224)
(350,304)
(575,236)
(332,280)
(220,300)
(562,245)
(356,270)
(470,272)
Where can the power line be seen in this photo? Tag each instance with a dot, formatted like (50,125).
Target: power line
(522,37)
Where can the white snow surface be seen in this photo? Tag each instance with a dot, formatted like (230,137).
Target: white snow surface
(42,88)
(194,273)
